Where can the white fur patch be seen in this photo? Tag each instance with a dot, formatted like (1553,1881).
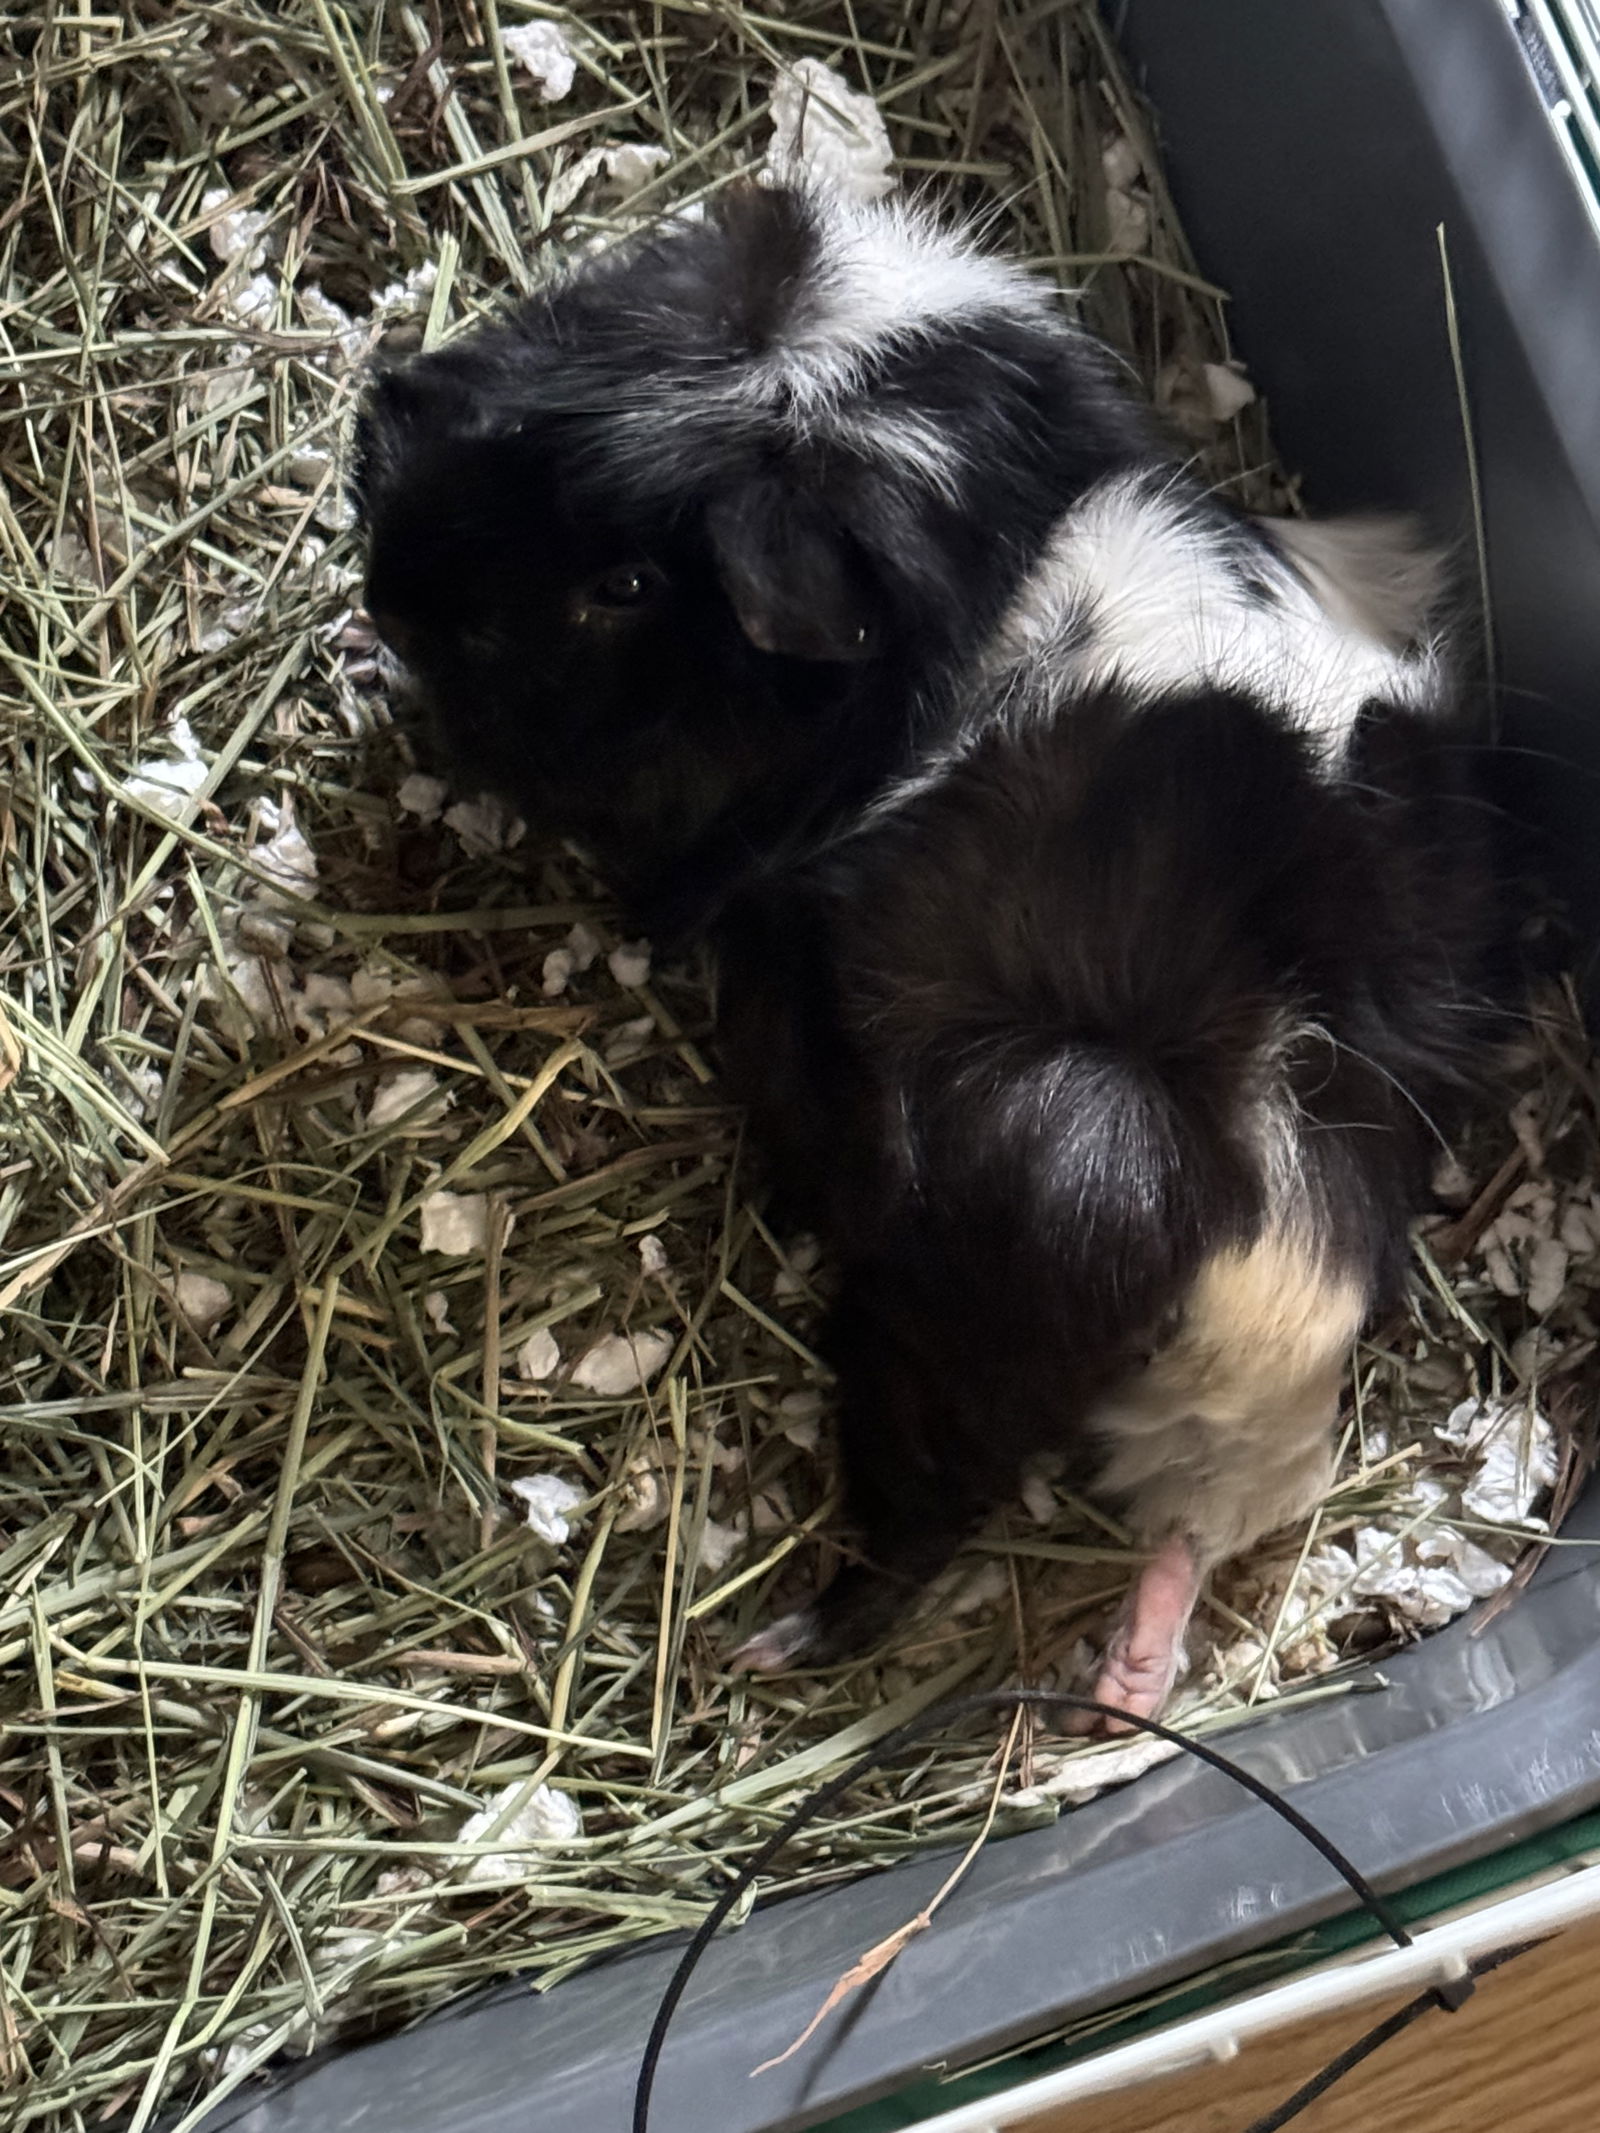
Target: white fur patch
(886,272)
(1373,574)
(1140,588)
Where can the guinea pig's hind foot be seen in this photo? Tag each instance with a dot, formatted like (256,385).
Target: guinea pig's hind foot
(782,1644)
(1146,1648)
(850,1617)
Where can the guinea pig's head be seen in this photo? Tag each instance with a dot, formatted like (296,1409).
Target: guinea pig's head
(679,543)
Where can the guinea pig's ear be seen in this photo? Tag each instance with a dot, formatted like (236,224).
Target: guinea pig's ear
(792,574)
(401,408)
(393,411)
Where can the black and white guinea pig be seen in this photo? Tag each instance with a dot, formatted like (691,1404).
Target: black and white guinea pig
(1102,926)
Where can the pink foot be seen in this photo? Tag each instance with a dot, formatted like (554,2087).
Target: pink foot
(1141,1661)
(778,1646)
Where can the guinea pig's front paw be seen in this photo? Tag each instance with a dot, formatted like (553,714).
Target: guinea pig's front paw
(780,1645)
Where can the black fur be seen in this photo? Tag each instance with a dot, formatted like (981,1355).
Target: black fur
(1003,1036)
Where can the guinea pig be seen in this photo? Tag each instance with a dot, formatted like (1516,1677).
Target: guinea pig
(1102,926)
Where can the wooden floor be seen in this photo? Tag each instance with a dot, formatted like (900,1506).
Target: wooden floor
(1523,2056)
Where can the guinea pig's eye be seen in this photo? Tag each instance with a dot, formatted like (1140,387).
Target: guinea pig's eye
(631,585)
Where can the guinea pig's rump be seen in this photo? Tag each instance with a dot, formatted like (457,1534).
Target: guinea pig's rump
(1145,1015)
(1225,1433)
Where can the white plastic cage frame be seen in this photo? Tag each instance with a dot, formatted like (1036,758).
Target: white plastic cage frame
(1441,1954)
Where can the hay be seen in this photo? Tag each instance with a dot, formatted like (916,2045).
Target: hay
(360,1607)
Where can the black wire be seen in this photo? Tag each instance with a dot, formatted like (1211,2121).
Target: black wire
(1336,2069)
(935,1719)
(1451,1997)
